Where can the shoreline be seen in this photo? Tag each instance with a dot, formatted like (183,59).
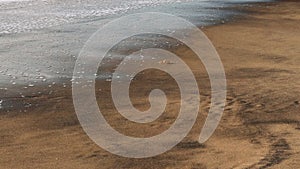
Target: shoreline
(35,86)
(258,130)
(50,53)
(40,81)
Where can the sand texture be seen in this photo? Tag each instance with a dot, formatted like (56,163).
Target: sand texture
(260,127)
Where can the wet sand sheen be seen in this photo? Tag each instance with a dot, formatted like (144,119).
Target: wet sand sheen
(260,127)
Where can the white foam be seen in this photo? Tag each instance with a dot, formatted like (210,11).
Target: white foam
(10,0)
(25,15)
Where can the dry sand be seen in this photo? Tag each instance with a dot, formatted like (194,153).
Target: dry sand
(260,127)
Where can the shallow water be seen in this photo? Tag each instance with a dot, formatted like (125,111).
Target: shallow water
(25,15)
(40,39)
(21,16)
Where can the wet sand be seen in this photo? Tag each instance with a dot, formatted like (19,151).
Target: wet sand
(259,129)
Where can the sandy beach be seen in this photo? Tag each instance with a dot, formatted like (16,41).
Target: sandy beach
(260,127)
